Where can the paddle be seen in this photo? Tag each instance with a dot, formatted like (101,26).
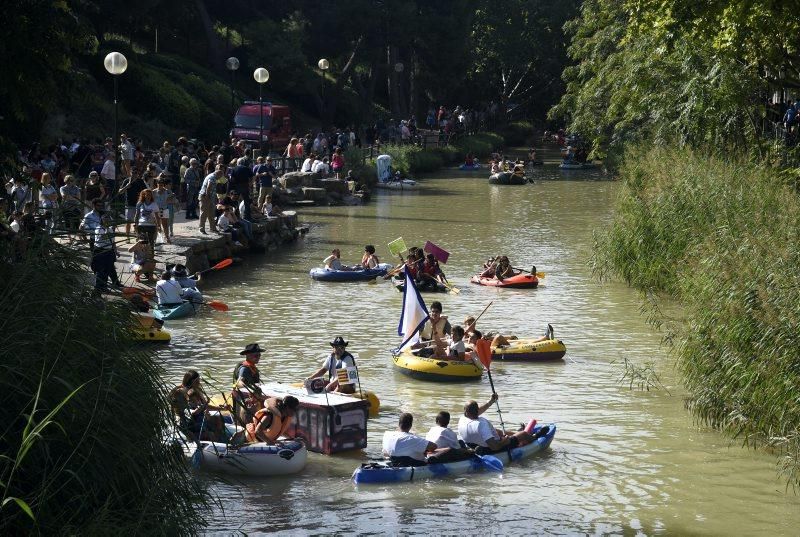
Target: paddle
(490,462)
(466,329)
(483,348)
(394,271)
(214,304)
(221,265)
(539,275)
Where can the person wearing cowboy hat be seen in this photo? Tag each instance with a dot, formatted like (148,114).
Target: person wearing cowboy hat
(246,376)
(338,359)
(189,284)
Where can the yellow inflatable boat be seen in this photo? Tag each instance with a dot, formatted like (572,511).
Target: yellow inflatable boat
(150,329)
(530,350)
(436,369)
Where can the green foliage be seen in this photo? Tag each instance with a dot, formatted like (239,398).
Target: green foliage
(518,133)
(481,145)
(83,412)
(721,239)
(678,70)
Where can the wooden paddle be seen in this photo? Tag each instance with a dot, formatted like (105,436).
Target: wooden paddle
(539,275)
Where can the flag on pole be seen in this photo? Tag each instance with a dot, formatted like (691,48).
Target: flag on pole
(440,254)
(484,349)
(413,315)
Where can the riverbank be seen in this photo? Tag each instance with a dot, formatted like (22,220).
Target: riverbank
(720,238)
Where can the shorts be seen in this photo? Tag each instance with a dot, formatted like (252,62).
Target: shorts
(130,214)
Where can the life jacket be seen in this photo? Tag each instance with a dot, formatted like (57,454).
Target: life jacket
(431,270)
(253,369)
(272,431)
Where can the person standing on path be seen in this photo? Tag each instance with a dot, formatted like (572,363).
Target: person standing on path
(241,180)
(192,178)
(207,198)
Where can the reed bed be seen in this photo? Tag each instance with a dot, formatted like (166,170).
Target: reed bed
(720,236)
(84,416)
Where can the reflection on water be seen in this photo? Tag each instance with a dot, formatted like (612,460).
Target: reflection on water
(623,461)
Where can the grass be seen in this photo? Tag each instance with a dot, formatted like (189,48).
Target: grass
(720,236)
(83,411)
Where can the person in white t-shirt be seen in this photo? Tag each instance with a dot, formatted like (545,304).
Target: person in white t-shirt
(456,349)
(441,435)
(308,164)
(168,291)
(479,433)
(405,449)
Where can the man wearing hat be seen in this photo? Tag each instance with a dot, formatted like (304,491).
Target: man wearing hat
(246,376)
(265,172)
(189,284)
(338,359)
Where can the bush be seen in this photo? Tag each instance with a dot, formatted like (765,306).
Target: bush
(720,238)
(83,412)
(518,133)
(480,145)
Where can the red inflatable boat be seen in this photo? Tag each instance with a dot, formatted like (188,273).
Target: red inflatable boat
(520,280)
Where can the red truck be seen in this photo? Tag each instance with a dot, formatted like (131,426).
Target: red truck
(277,124)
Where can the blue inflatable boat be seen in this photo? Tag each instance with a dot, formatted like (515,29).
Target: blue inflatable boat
(360,275)
(468,168)
(381,473)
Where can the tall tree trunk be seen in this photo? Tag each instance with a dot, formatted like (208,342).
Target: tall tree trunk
(216,51)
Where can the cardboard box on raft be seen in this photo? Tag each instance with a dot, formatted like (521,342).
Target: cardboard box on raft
(328,424)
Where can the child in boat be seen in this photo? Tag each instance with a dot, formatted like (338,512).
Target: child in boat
(469,160)
(456,350)
(369,260)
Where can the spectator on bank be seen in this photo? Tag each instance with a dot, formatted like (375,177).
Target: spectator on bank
(126,149)
(225,225)
(265,173)
(241,180)
(192,179)
(207,198)
(70,206)
(337,162)
(48,201)
(161,196)
(131,188)
(95,188)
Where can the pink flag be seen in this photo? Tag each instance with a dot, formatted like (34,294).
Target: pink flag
(437,252)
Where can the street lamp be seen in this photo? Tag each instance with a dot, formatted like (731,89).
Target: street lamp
(232,64)
(261,75)
(116,64)
(323,66)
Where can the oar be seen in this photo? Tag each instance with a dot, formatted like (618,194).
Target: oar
(215,304)
(490,462)
(395,270)
(497,401)
(221,265)
(452,288)
(478,317)
(539,275)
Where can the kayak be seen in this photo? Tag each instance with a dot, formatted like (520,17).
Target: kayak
(507,178)
(469,167)
(528,350)
(403,184)
(257,459)
(518,281)
(168,312)
(382,473)
(436,369)
(330,275)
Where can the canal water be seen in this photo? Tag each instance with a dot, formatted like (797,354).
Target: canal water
(623,461)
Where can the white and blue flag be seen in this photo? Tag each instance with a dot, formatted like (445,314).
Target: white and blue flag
(413,315)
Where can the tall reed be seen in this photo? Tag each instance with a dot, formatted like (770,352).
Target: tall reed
(83,411)
(720,236)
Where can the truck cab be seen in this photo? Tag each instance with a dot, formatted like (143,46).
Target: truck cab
(277,124)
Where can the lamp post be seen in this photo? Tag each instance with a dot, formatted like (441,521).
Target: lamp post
(232,64)
(323,66)
(261,75)
(116,64)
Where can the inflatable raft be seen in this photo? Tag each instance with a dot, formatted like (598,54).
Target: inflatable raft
(258,460)
(147,328)
(426,287)
(518,281)
(507,178)
(470,168)
(361,275)
(529,350)
(436,369)
(575,165)
(403,184)
(380,473)
(169,312)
